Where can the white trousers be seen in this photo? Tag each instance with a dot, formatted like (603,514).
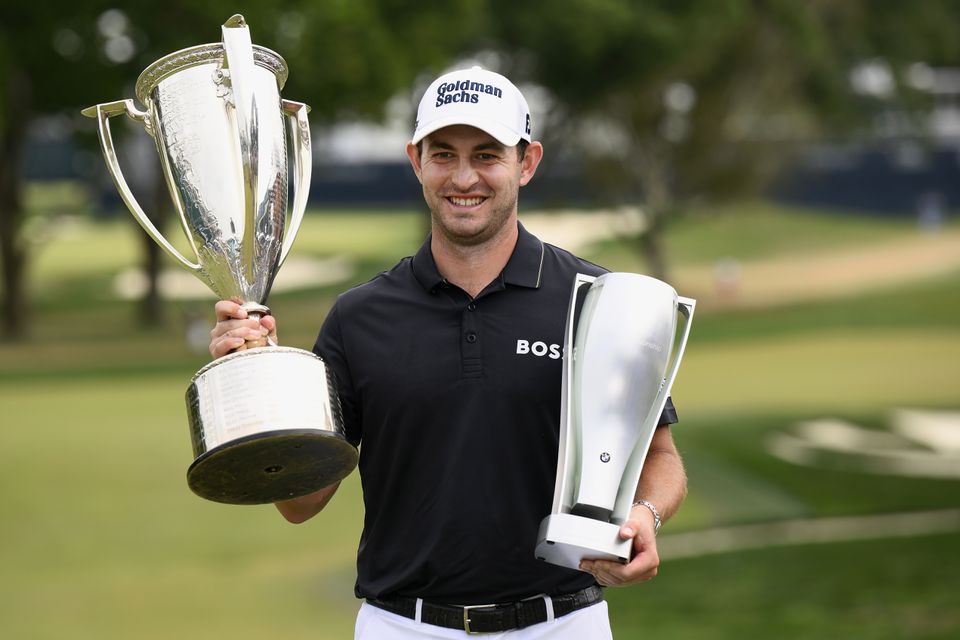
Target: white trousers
(590,623)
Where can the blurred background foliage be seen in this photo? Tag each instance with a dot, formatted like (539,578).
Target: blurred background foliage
(664,102)
(680,120)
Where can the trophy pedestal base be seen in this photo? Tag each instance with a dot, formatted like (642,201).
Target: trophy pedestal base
(566,539)
(271,466)
(266,426)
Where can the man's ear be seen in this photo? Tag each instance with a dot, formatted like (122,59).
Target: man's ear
(531,160)
(413,154)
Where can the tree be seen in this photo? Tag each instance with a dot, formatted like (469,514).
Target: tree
(58,61)
(27,58)
(672,101)
(345,58)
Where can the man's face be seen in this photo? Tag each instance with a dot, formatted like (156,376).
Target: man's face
(471,181)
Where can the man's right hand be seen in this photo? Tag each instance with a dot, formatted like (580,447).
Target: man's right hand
(235,331)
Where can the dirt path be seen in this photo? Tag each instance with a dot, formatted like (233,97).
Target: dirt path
(823,275)
(749,284)
(795,532)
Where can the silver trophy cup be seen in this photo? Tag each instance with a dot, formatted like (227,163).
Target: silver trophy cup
(265,422)
(622,330)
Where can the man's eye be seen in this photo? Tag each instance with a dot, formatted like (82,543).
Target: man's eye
(488,156)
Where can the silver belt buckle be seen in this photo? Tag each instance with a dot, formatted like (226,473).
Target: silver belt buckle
(466,617)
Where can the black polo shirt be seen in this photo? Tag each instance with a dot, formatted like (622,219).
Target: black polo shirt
(456,404)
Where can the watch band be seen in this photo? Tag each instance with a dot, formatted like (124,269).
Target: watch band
(653,510)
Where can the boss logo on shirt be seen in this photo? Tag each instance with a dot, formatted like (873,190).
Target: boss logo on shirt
(539,349)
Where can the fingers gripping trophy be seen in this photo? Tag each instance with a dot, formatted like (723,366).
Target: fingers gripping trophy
(265,422)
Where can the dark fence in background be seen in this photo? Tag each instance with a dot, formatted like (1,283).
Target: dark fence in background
(896,179)
(903,179)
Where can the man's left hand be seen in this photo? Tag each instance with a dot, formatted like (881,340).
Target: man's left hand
(643,566)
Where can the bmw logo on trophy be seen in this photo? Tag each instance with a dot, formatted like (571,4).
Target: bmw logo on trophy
(265,422)
(617,372)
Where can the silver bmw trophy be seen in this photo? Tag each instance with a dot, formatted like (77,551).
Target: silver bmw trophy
(265,422)
(617,372)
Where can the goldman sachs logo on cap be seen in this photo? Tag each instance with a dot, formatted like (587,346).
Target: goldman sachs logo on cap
(465,91)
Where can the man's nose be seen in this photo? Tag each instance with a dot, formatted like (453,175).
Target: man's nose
(465,175)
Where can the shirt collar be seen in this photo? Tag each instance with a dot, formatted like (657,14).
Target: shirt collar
(525,265)
(524,268)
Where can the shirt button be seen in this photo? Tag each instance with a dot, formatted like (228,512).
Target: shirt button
(472,306)
(471,337)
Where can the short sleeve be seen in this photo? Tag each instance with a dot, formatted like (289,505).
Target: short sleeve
(669,415)
(330,347)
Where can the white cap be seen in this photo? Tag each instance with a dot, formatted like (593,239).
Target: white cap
(475,97)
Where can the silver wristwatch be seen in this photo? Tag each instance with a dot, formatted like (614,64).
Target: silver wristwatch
(653,510)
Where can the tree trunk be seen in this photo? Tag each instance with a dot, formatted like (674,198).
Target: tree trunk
(13,250)
(152,308)
(649,166)
(13,309)
(650,244)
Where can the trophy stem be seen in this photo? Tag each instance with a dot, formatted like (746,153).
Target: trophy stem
(255,311)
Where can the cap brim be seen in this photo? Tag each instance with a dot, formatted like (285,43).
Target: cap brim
(504,135)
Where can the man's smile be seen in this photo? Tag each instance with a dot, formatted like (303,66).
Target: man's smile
(460,201)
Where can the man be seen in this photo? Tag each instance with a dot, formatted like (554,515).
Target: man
(458,424)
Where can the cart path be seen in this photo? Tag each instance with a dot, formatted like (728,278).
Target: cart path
(784,533)
(832,274)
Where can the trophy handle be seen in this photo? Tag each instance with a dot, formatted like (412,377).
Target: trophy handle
(686,307)
(103,112)
(302,163)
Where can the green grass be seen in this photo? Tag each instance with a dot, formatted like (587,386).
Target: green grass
(886,589)
(738,481)
(100,537)
(933,304)
(756,230)
(827,371)
(79,254)
(382,237)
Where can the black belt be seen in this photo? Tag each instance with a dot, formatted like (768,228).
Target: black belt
(489,618)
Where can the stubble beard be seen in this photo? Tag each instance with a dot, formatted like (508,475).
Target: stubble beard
(499,219)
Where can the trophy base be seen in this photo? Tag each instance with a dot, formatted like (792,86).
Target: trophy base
(266,426)
(271,466)
(565,539)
